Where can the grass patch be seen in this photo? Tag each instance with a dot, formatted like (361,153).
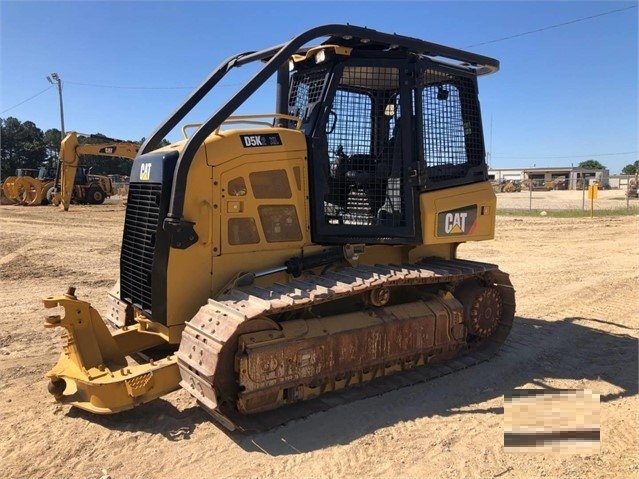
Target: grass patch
(632,211)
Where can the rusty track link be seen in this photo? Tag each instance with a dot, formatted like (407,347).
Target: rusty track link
(222,319)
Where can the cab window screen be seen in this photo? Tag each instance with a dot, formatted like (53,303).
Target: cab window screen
(353,125)
(444,139)
(306,90)
(364,165)
(452,142)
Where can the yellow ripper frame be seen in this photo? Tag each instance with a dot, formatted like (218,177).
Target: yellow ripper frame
(93,364)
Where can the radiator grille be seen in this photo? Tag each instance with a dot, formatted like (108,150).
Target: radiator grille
(138,244)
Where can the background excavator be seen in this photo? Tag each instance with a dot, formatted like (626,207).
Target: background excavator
(75,182)
(305,257)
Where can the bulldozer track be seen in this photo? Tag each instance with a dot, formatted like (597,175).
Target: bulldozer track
(219,320)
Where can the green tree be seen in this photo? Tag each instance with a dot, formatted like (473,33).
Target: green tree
(22,145)
(163,142)
(631,169)
(591,165)
(52,140)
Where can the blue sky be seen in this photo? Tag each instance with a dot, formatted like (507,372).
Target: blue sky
(563,95)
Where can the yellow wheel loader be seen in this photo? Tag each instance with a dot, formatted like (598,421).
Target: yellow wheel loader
(278,264)
(28,186)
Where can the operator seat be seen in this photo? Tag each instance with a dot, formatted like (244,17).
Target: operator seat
(371,173)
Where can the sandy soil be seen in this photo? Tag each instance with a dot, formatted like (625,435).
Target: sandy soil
(576,327)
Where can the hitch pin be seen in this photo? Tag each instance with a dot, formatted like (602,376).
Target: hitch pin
(52,321)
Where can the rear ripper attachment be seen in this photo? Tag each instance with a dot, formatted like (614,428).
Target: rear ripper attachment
(452,314)
(93,373)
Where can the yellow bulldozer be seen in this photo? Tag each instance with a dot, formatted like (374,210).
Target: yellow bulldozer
(510,186)
(278,264)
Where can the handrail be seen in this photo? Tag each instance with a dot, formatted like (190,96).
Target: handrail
(249,119)
(189,125)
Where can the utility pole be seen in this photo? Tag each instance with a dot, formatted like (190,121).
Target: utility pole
(55,79)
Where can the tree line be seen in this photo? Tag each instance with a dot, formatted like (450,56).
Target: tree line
(629,169)
(24,145)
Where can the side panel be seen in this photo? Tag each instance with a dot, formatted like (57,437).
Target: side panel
(455,215)
(235,181)
(263,209)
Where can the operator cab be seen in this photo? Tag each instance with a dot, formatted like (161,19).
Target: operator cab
(46,173)
(80,176)
(386,117)
(33,173)
(384,124)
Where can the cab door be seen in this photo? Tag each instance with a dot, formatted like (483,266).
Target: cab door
(362,164)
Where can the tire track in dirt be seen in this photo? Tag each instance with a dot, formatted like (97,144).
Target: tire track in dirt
(14,254)
(449,427)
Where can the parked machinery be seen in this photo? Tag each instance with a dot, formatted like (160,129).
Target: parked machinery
(29,186)
(632,187)
(36,187)
(510,186)
(79,185)
(288,256)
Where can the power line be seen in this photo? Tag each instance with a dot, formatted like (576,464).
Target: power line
(28,99)
(131,87)
(123,87)
(563,157)
(552,26)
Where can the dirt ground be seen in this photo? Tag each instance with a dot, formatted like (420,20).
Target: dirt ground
(576,327)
